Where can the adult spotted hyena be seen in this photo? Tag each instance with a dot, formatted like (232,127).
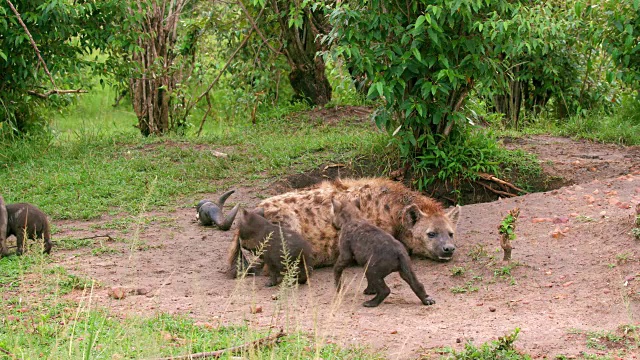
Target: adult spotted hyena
(417,221)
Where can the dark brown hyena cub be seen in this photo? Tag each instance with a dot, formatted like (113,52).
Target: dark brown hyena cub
(25,221)
(4,218)
(364,242)
(255,230)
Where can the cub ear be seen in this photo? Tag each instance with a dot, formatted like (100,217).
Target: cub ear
(410,215)
(259,211)
(454,215)
(336,205)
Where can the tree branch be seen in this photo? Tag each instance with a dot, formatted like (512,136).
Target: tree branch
(55,91)
(33,43)
(224,68)
(255,27)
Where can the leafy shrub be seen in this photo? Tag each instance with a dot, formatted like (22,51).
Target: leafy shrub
(501,349)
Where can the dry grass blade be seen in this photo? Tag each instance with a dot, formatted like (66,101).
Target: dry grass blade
(269,340)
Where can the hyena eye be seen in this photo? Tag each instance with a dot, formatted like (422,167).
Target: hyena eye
(450,234)
(432,234)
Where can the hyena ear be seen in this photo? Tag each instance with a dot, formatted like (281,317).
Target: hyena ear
(259,211)
(454,215)
(410,215)
(356,202)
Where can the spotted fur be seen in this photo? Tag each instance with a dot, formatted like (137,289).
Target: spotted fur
(419,222)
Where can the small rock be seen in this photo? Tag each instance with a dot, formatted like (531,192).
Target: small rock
(256,309)
(567,283)
(492,309)
(141,291)
(561,220)
(479,304)
(117,293)
(549,285)
(458,340)
(394,331)
(630,278)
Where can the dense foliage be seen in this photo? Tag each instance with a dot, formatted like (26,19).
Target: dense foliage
(422,61)
(64,32)
(623,41)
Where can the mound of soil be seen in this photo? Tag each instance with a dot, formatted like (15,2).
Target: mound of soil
(575,270)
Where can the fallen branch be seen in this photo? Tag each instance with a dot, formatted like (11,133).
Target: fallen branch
(85,238)
(55,91)
(490,177)
(269,340)
(7,352)
(499,192)
(97,236)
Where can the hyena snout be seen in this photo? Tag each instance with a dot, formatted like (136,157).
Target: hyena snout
(448,249)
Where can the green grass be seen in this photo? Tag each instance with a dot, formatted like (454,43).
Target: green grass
(93,168)
(39,321)
(502,348)
(621,126)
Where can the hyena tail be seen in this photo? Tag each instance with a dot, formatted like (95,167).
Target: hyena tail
(237,260)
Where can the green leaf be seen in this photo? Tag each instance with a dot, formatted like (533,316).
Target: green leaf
(416,53)
(578,7)
(420,21)
(3,55)
(380,88)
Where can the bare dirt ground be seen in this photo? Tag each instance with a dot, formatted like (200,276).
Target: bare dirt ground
(576,269)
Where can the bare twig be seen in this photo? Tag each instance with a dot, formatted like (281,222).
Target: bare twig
(55,91)
(204,117)
(269,340)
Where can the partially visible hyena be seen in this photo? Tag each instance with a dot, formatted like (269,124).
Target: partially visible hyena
(371,247)
(26,221)
(257,232)
(417,221)
(3,228)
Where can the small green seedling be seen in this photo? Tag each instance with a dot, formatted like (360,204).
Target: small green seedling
(507,229)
